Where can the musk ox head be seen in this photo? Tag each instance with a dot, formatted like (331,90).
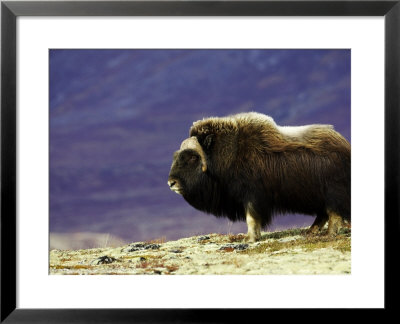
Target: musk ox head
(187,167)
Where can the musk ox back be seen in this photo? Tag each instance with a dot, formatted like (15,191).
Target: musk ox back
(246,167)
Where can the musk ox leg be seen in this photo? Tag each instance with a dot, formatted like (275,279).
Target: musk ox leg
(335,223)
(318,224)
(253,224)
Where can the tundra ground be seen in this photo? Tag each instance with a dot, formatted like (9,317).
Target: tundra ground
(284,252)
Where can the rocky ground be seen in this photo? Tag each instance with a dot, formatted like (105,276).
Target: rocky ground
(285,252)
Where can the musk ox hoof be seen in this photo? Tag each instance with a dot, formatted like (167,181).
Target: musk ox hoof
(313,230)
(251,238)
(332,232)
(335,224)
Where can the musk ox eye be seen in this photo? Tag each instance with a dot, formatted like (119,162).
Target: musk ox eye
(193,159)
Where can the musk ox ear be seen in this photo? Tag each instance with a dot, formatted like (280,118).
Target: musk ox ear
(208,141)
(193,144)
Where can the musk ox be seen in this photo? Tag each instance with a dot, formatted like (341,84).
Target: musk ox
(246,167)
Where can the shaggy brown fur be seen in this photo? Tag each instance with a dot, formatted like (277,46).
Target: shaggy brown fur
(256,169)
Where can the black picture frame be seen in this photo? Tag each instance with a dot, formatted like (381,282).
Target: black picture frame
(10,10)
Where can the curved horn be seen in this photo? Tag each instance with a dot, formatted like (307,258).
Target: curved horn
(193,144)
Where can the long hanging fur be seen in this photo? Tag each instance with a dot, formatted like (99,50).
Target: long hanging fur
(274,169)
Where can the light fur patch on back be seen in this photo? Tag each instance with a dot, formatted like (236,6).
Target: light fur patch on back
(290,131)
(294,131)
(298,133)
(256,116)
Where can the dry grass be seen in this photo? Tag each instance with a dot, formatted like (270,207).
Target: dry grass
(156,265)
(236,238)
(286,233)
(234,261)
(227,249)
(172,268)
(76,266)
(133,257)
(159,240)
(308,243)
(65,259)
(149,264)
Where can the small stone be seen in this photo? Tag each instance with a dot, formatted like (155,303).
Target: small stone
(142,259)
(203,238)
(104,260)
(224,247)
(241,247)
(231,247)
(141,247)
